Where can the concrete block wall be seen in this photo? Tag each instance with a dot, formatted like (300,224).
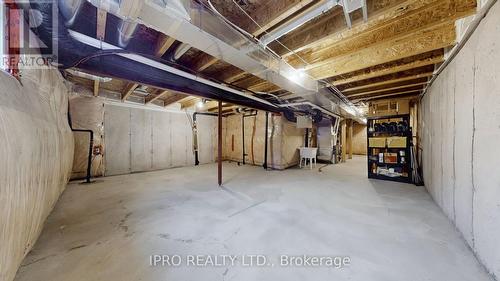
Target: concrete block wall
(460,133)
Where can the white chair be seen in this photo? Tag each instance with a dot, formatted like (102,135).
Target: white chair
(308,153)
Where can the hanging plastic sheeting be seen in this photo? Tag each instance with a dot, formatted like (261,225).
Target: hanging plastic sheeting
(87,112)
(36,145)
(283,140)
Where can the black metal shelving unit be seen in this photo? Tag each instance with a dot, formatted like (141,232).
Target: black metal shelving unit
(403,165)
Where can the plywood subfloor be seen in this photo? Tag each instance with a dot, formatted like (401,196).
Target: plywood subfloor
(108,230)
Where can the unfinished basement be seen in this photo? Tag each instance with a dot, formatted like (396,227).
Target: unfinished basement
(249,140)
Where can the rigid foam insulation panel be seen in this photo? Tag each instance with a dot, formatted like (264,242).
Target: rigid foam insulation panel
(140,139)
(36,145)
(460,125)
(87,112)
(284,139)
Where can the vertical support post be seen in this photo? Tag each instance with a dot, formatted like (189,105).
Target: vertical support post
(306,138)
(344,140)
(266,141)
(243,138)
(349,136)
(195,140)
(219,140)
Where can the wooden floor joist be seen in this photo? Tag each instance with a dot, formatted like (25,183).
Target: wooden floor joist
(373,58)
(129,89)
(390,83)
(268,88)
(391,95)
(173,98)
(204,61)
(381,79)
(411,22)
(163,44)
(280,19)
(264,86)
(188,102)
(235,77)
(387,89)
(427,40)
(389,70)
(329,30)
(250,81)
(159,94)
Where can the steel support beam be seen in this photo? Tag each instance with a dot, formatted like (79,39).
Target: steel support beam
(219,146)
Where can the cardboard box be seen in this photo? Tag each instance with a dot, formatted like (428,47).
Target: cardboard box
(390,158)
(389,107)
(376,142)
(396,142)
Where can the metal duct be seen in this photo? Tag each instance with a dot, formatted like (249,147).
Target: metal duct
(69,9)
(88,76)
(325,111)
(181,50)
(205,31)
(126,31)
(117,64)
(288,27)
(350,6)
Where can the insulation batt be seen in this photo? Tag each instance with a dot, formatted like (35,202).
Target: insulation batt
(284,140)
(87,112)
(36,145)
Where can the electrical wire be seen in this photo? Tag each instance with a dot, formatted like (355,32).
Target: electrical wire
(327,84)
(320,169)
(251,36)
(417,179)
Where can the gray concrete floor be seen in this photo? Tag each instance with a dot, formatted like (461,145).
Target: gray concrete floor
(108,230)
